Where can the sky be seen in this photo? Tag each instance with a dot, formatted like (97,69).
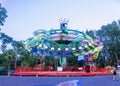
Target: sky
(27,16)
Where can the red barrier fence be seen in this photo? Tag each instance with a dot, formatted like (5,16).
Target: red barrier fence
(66,71)
(72,68)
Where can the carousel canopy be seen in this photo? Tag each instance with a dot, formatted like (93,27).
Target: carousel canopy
(64,42)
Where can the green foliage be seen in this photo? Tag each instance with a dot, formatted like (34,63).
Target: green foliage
(16,51)
(91,33)
(3,15)
(49,61)
(110,36)
(72,61)
(5,60)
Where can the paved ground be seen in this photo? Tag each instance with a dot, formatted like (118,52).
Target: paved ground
(53,81)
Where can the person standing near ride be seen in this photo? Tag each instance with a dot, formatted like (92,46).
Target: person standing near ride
(115,75)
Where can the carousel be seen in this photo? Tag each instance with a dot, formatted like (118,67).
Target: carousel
(62,43)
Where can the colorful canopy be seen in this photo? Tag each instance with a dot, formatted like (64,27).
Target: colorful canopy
(64,42)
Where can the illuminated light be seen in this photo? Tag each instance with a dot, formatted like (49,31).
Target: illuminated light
(52,48)
(40,45)
(85,46)
(90,44)
(80,47)
(59,49)
(46,47)
(73,48)
(66,48)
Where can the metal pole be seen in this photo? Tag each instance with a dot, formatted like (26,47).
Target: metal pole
(40,63)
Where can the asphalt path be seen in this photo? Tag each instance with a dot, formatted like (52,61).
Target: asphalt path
(62,81)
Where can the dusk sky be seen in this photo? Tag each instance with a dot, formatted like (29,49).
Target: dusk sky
(27,16)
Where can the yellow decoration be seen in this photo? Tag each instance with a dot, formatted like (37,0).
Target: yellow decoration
(95,56)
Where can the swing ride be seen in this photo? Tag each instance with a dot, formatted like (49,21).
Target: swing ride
(62,43)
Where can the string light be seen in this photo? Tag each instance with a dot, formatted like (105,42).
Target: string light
(46,47)
(80,47)
(73,48)
(59,49)
(40,45)
(66,49)
(52,48)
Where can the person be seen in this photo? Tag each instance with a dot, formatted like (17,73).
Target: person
(115,75)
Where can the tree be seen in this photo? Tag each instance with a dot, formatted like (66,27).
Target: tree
(3,15)
(110,36)
(91,33)
(6,40)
